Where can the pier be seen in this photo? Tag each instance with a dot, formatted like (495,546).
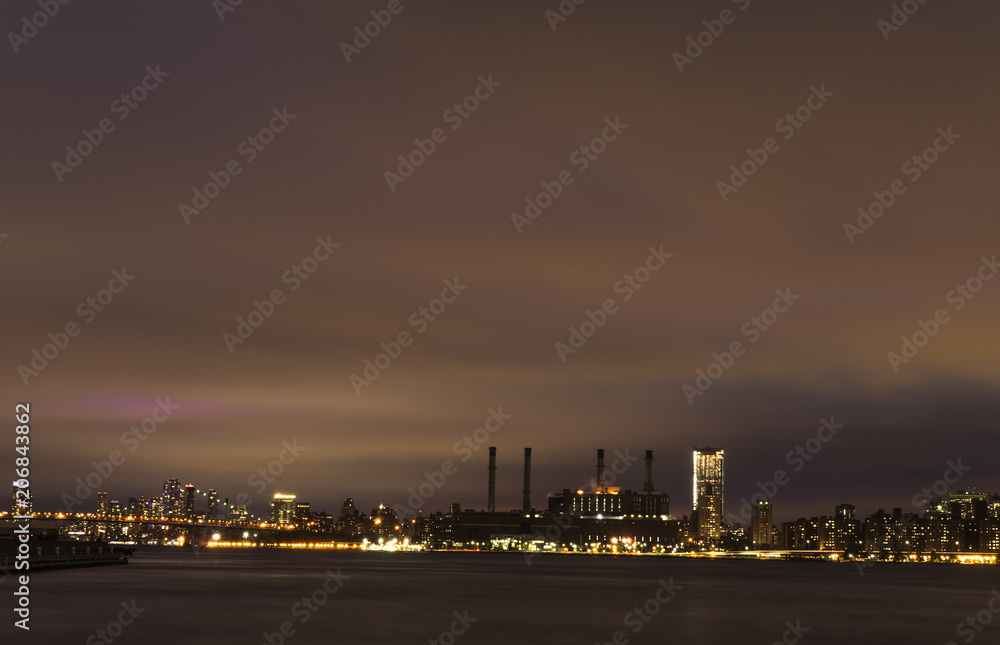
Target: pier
(51,555)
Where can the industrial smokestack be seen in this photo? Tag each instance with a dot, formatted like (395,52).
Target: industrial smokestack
(600,470)
(527,479)
(649,471)
(492,502)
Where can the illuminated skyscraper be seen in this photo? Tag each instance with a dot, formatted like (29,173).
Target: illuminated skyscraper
(213,505)
(155,507)
(102,503)
(189,502)
(708,469)
(709,492)
(281,511)
(347,509)
(760,524)
(350,519)
(709,515)
(172,501)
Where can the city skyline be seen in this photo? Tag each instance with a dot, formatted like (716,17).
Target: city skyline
(708,469)
(608,519)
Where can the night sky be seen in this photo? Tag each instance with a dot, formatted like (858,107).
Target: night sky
(874,97)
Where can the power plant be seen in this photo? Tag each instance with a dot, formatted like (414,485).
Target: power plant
(599,515)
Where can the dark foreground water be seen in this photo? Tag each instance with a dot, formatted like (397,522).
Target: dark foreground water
(238,596)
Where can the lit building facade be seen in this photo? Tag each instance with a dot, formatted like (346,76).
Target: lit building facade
(880,531)
(760,524)
(709,492)
(172,499)
(189,502)
(281,510)
(612,502)
(841,533)
(213,505)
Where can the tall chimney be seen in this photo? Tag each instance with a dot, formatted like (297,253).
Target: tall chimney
(527,479)
(600,470)
(492,502)
(649,471)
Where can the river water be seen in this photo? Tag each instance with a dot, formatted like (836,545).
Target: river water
(239,596)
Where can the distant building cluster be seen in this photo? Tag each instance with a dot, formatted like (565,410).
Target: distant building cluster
(964,522)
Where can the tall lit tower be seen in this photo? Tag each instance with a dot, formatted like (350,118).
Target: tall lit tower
(709,492)
(189,502)
(281,510)
(708,469)
(172,503)
(102,503)
(213,505)
(760,524)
